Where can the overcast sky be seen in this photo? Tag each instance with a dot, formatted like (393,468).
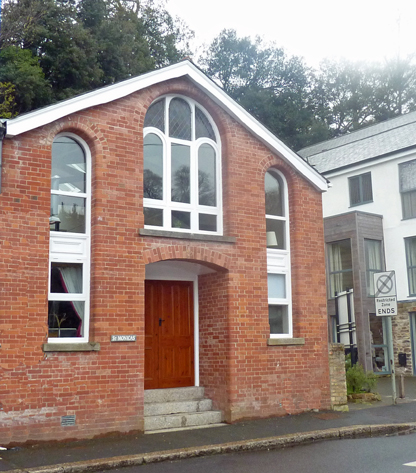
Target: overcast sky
(354,29)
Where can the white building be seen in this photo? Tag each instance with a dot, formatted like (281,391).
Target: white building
(370,225)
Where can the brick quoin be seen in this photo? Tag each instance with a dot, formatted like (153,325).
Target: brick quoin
(105,389)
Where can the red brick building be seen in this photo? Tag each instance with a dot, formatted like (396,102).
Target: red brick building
(184,248)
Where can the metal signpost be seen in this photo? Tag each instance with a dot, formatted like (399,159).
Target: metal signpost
(385,297)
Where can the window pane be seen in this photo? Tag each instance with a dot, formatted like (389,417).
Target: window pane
(354,184)
(340,282)
(275,234)
(411,264)
(203,128)
(276,285)
(65,318)
(206,175)
(155,116)
(67,214)
(360,189)
(278,319)
(68,166)
(373,262)
(66,278)
(367,190)
(340,256)
(409,204)
(181,173)
(181,219)
(180,119)
(153,167)
(407,176)
(153,217)
(207,222)
(274,194)
(340,266)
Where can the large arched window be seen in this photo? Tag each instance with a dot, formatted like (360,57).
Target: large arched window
(182,168)
(278,255)
(69,268)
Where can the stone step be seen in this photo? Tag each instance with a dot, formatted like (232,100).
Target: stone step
(163,408)
(174,394)
(177,421)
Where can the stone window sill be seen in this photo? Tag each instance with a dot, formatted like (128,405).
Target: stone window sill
(285,341)
(186,236)
(70,347)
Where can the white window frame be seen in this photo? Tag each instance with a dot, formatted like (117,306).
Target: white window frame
(74,248)
(278,261)
(193,207)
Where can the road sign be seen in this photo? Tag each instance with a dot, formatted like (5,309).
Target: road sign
(386,306)
(385,293)
(385,284)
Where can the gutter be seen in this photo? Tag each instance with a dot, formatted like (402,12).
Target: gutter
(3,131)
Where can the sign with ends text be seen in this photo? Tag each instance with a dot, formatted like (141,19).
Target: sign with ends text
(385,293)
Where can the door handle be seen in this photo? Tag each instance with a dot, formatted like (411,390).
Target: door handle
(160,322)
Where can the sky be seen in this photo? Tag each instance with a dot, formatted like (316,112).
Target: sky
(358,30)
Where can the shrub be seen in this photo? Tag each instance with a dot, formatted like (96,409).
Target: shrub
(359,381)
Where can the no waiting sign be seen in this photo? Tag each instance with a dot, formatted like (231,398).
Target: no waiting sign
(385,293)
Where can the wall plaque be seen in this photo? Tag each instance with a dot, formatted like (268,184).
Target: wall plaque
(123,338)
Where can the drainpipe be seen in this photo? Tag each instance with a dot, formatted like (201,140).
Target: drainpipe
(3,131)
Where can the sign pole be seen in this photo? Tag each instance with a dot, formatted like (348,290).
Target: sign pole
(386,306)
(391,358)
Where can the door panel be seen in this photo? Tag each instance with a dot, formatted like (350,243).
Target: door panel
(169,334)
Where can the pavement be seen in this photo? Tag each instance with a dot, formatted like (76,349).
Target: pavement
(116,451)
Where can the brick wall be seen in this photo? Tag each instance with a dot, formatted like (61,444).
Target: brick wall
(104,389)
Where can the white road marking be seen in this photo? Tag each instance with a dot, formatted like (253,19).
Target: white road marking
(410,464)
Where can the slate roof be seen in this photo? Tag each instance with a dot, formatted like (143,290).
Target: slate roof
(368,143)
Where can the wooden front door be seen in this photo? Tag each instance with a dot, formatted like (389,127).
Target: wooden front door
(169,334)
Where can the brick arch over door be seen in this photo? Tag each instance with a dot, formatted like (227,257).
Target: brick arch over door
(214,258)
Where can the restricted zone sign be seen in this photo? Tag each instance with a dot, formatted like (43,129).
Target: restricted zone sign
(385,293)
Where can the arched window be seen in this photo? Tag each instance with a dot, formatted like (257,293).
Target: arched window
(69,269)
(278,255)
(182,168)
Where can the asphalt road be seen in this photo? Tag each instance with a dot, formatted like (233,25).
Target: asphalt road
(373,455)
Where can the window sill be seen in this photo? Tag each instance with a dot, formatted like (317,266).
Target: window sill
(186,236)
(361,203)
(71,347)
(285,341)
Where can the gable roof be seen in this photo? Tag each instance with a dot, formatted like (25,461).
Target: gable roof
(372,142)
(43,116)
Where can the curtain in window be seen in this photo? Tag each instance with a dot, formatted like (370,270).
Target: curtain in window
(335,264)
(373,252)
(72,278)
(409,204)
(411,264)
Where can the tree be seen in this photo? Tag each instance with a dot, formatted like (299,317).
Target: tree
(395,93)
(83,44)
(273,87)
(133,36)
(30,88)
(344,95)
(7,100)
(49,30)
